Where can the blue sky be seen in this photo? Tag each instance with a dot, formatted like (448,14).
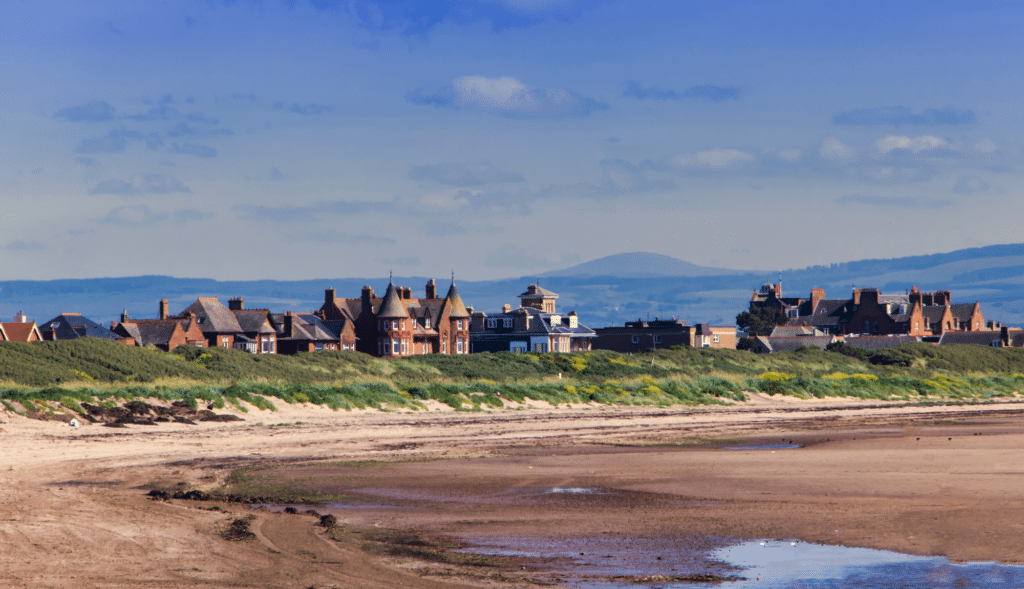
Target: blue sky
(327,138)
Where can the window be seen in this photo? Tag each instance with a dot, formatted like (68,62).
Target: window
(384,325)
(555,344)
(917,325)
(506,323)
(634,339)
(714,338)
(867,326)
(403,323)
(461,345)
(657,339)
(458,324)
(405,346)
(394,324)
(875,330)
(319,346)
(426,322)
(492,323)
(792,313)
(396,346)
(225,342)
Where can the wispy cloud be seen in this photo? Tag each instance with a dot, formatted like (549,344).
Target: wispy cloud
(305,213)
(458,174)
(891,201)
(141,184)
(186,130)
(719,159)
(90,112)
(169,113)
(307,110)
(706,92)
(19,245)
(912,144)
(507,95)
(416,18)
(901,115)
(143,215)
(196,149)
(116,141)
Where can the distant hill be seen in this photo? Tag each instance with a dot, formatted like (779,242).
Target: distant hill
(640,265)
(604,292)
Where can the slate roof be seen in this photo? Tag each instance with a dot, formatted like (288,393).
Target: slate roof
(213,316)
(879,342)
(453,300)
(74,326)
(253,320)
(793,330)
(983,338)
(535,291)
(962,311)
(932,313)
(391,306)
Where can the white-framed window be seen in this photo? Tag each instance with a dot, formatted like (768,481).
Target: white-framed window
(555,344)
(225,342)
(714,338)
(657,339)
(426,322)
(396,346)
(461,345)
(458,324)
(518,347)
(444,346)
(793,313)
(319,346)
(405,346)
(634,339)
(492,323)
(506,323)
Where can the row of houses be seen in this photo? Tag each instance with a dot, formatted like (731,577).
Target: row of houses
(397,325)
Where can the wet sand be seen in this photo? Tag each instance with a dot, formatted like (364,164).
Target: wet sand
(73,510)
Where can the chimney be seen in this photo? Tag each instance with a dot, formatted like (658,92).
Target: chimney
(289,321)
(165,309)
(915,296)
(406,293)
(124,316)
(506,308)
(574,320)
(869,296)
(856,296)
(778,290)
(20,317)
(522,320)
(469,310)
(367,297)
(817,295)
(236,304)
(943,297)
(329,295)
(431,289)
(1004,336)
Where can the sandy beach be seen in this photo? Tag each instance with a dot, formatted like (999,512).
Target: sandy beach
(937,480)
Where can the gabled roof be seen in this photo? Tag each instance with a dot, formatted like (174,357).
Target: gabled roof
(20,332)
(213,316)
(790,343)
(74,326)
(391,306)
(962,311)
(933,312)
(454,302)
(792,330)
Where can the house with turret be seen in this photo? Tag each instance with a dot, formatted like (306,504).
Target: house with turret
(536,326)
(397,324)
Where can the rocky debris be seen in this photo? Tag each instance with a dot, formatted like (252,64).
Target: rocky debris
(695,578)
(142,413)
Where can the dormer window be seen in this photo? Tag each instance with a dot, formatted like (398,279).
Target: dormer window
(506,322)
(492,323)
(426,322)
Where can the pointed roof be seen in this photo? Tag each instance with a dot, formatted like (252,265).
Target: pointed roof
(391,306)
(458,309)
(213,316)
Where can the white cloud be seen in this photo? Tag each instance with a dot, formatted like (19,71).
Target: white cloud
(833,149)
(509,96)
(790,156)
(712,159)
(912,144)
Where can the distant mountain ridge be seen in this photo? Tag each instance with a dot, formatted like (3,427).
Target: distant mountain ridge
(640,265)
(604,292)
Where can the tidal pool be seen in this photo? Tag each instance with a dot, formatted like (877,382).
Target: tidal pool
(631,563)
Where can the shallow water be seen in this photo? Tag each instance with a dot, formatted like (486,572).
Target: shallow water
(591,563)
(766,447)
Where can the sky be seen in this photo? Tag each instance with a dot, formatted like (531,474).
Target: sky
(300,139)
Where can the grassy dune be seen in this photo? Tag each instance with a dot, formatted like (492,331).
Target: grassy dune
(51,377)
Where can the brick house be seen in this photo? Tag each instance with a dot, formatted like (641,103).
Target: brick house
(20,330)
(641,335)
(217,322)
(535,326)
(258,335)
(165,334)
(399,325)
(307,332)
(869,312)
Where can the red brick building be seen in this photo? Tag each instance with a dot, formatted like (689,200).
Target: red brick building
(869,312)
(399,325)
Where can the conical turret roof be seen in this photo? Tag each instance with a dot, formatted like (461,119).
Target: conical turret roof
(454,301)
(392,307)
